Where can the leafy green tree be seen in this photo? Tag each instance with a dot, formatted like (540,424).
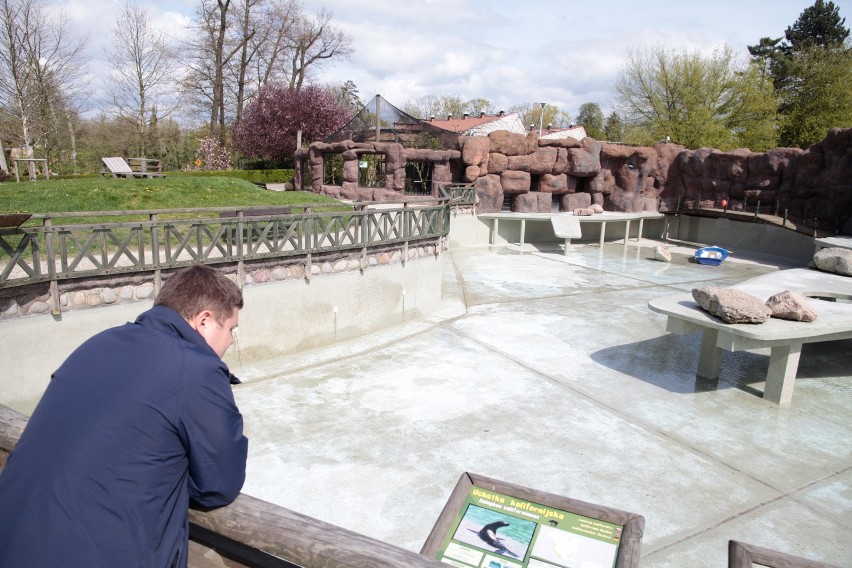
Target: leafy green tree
(810,70)
(591,117)
(690,99)
(820,98)
(614,128)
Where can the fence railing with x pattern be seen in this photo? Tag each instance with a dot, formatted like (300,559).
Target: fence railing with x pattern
(87,244)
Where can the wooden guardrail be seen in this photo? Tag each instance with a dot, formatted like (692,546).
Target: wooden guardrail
(257,534)
(64,248)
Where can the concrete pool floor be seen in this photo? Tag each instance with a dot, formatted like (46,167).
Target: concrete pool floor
(549,371)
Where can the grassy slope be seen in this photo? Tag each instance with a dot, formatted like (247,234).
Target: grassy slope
(172,192)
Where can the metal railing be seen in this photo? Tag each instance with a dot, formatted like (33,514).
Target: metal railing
(60,249)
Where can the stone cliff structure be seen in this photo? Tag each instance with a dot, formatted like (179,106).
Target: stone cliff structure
(528,174)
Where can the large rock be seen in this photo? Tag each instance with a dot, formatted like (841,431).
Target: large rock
(497,163)
(490,194)
(731,305)
(508,143)
(515,182)
(586,160)
(541,161)
(475,150)
(554,184)
(788,305)
(581,200)
(834,259)
(532,202)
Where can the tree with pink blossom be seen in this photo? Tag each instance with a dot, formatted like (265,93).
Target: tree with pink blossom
(272,118)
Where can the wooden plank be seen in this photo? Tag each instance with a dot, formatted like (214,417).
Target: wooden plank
(298,539)
(742,555)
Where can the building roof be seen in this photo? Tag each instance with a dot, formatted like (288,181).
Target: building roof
(574,131)
(479,125)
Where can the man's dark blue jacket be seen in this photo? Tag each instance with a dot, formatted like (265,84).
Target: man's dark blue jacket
(137,421)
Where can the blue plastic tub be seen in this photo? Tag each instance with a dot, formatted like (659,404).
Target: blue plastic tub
(711,255)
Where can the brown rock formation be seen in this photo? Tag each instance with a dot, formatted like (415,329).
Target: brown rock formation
(490,193)
(573,201)
(554,183)
(513,181)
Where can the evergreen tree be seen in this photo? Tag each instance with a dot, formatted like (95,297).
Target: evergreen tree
(591,117)
(614,128)
(818,26)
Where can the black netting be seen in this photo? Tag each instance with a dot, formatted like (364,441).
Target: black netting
(393,122)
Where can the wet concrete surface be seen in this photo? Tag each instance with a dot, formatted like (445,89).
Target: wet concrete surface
(549,371)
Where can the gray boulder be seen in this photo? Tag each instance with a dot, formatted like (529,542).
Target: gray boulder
(731,305)
(834,259)
(790,306)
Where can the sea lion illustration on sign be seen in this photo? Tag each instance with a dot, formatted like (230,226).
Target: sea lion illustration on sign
(488,534)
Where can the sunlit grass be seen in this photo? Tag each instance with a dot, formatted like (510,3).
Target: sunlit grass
(172,192)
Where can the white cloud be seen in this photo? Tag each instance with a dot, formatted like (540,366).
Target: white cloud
(509,52)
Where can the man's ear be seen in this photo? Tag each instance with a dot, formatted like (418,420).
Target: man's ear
(201,320)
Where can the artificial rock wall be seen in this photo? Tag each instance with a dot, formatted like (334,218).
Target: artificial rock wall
(540,175)
(816,182)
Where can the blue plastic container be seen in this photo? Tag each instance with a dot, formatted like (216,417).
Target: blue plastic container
(711,255)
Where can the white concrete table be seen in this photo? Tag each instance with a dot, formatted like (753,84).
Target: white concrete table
(785,338)
(600,218)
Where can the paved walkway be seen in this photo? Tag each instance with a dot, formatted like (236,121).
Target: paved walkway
(550,371)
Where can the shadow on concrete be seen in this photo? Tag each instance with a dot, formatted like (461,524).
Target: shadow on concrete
(669,362)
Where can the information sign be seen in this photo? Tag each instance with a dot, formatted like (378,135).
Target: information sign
(493,524)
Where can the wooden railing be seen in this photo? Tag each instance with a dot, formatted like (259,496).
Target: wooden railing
(257,534)
(62,249)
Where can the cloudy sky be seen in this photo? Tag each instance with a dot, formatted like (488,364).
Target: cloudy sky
(563,52)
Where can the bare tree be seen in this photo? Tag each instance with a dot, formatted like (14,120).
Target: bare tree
(314,42)
(273,43)
(243,46)
(40,63)
(141,83)
(209,54)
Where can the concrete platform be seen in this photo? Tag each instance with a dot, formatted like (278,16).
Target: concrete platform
(549,371)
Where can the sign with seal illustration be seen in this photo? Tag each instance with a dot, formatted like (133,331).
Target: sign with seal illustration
(488,523)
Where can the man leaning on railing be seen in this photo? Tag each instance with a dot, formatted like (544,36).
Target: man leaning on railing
(137,422)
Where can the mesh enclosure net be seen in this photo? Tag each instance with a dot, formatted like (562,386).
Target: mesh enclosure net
(362,127)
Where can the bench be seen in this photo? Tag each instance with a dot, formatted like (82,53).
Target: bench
(117,167)
(785,338)
(601,218)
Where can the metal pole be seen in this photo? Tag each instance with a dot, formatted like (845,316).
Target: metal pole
(541,119)
(378,118)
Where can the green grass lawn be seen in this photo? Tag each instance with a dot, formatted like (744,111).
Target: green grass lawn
(172,192)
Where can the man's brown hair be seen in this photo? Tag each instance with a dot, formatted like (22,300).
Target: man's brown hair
(192,290)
